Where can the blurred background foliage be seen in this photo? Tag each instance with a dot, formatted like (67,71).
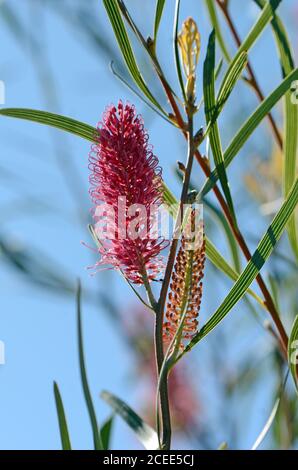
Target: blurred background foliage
(56,55)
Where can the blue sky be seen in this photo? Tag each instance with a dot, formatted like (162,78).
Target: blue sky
(45,209)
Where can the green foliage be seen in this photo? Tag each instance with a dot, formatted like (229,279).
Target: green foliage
(229,81)
(215,23)
(146,435)
(270,419)
(98,445)
(249,127)
(158,14)
(254,34)
(253,267)
(210,113)
(114,14)
(64,435)
(106,433)
(55,120)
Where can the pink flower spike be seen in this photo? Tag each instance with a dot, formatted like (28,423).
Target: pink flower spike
(126,189)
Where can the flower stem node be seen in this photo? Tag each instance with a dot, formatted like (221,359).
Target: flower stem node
(181,167)
(192,196)
(198,137)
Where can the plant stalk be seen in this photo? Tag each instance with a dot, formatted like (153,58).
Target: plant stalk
(164,402)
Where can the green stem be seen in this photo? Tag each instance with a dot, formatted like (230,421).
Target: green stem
(148,289)
(163,389)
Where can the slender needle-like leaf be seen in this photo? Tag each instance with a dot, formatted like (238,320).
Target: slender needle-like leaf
(158,14)
(93,420)
(64,434)
(146,435)
(210,113)
(121,35)
(270,419)
(215,23)
(106,432)
(176,49)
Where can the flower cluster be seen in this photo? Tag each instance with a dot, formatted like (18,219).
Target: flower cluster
(123,167)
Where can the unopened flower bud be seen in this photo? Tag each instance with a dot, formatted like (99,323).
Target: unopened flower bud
(189,41)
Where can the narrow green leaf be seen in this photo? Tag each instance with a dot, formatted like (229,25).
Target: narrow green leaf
(138,94)
(218,69)
(210,113)
(176,49)
(293,352)
(227,86)
(147,46)
(265,17)
(146,435)
(267,425)
(229,81)
(170,201)
(290,121)
(249,126)
(282,41)
(64,435)
(55,120)
(290,163)
(254,266)
(220,263)
(93,420)
(106,432)
(228,232)
(115,18)
(215,23)
(271,418)
(126,15)
(158,14)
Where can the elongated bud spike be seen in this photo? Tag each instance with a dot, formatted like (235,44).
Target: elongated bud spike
(186,286)
(189,41)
